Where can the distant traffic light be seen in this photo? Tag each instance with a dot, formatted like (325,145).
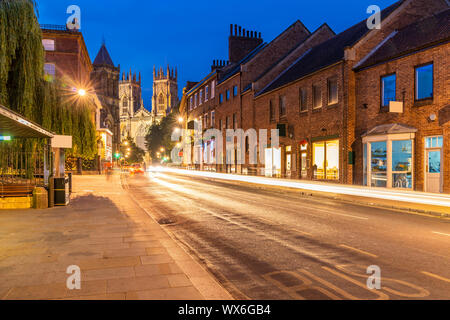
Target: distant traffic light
(117,155)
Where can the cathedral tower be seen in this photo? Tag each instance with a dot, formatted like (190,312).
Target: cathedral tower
(105,77)
(165,91)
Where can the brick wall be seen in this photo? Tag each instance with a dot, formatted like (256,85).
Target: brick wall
(414,114)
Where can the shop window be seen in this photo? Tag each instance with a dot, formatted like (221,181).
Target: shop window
(388,89)
(326,160)
(332,91)
(388,163)
(402,164)
(317,97)
(379,164)
(424,82)
(303,100)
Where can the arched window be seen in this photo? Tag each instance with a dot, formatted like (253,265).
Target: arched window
(161,99)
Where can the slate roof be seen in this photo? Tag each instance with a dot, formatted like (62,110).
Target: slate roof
(325,54)
(413,37)
(103,57)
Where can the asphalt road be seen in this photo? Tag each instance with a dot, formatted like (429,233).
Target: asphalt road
(264,243)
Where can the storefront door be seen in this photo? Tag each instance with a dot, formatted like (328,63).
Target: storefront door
(433,158)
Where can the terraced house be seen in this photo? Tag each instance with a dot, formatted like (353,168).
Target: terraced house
(365,106)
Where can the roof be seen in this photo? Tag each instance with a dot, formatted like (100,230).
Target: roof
(103,57)
(16,126)
(325,54)
(236,67)
(413,37)
(392,128)
(200,83)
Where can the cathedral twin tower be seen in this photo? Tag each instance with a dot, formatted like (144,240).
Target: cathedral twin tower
(165,93)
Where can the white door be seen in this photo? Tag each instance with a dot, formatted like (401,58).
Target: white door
(433,170)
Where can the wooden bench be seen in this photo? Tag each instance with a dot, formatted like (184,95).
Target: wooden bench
(11,191)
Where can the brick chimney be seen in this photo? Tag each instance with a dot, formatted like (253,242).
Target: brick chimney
(241,42)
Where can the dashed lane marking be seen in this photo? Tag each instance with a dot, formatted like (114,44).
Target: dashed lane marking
(358,250)
(435,276)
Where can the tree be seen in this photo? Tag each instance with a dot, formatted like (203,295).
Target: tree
(160,135)
(24,89)
(136,154)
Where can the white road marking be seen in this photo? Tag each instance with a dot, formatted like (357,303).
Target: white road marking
(442,234)
(435,276)
(358,250)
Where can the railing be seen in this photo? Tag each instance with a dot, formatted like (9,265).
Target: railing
(21,168)
(56,27)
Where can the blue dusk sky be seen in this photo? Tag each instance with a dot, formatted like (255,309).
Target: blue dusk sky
(191,34)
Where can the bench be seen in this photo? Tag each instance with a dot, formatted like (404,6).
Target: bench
(12,191)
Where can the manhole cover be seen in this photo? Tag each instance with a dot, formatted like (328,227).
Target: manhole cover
(165,221)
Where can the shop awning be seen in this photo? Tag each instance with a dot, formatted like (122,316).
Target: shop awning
(14,125)
(392,128)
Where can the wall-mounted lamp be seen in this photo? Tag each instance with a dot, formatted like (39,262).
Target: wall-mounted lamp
(433,117)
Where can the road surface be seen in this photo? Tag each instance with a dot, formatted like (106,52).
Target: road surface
(267,243)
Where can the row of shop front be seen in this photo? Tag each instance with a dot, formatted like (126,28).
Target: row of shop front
(392,160)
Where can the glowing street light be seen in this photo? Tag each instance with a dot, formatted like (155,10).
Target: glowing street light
(81,92)
(180,120)
(162,149)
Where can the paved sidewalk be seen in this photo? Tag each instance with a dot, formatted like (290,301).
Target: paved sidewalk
(121,251)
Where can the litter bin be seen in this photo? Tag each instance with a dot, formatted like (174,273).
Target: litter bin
(62,193)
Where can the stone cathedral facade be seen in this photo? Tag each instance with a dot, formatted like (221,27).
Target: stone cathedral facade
(135,119)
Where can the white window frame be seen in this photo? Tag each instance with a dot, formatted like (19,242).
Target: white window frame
(206,93)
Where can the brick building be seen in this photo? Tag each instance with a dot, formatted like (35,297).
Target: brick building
(322,91)
(66,55)
(402,99)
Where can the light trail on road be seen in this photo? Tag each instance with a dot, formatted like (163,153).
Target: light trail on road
(395,195)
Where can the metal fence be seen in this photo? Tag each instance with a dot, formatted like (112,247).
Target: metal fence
(23,168)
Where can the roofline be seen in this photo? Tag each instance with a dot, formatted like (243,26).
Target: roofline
(295,48)
(302,78)
(229,78)
(249,56)
(404,54)
(209,76)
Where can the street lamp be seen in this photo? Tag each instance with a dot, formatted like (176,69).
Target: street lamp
(81,92)
(180,120)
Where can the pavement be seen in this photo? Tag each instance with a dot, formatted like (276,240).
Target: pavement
(122,252)
(263,242)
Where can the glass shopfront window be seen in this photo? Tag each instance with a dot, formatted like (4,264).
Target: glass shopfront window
(388,164)
(326,160)
(402,164)
(378,164)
